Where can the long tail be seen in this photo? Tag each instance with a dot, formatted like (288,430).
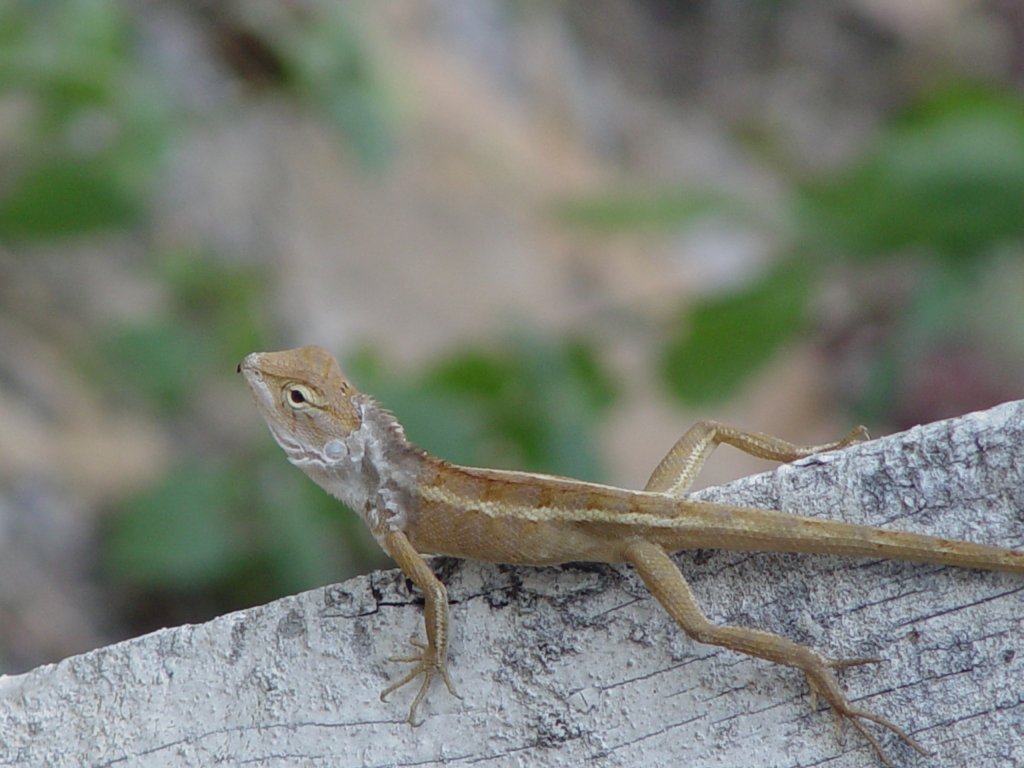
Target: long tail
(747,528)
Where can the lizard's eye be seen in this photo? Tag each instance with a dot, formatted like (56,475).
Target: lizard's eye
(298,396)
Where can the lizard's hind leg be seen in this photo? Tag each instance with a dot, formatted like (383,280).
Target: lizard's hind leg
(677,471)
(667,584)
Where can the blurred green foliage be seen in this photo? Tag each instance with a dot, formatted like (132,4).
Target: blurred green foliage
(95,117)
(523,403)
(940,189)
(89,120)
(93,123)
(65,198)
(666,210)
(214,312)
(943,189)
(245,529)
(721,341)
(947,179)
(180,532)
(329,64)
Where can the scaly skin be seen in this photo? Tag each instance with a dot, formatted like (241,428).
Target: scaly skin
(415,503)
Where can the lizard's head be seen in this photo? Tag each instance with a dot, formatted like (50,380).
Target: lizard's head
(305,399)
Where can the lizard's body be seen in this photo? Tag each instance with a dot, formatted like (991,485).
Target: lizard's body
(528,518)
(415,503)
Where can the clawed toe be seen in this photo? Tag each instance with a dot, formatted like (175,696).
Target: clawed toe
(428,666)
(856,718)
(824,684)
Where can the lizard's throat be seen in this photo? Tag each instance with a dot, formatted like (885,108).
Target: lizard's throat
(372,470)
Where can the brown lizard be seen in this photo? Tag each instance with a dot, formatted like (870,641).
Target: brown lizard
(416,503)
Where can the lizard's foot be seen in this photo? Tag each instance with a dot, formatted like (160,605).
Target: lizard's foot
(856,435)
(428,664)
(829,683)
(824,683)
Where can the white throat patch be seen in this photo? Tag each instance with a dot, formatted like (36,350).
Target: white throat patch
(372,469)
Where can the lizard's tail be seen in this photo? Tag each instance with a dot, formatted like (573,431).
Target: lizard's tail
(747,528)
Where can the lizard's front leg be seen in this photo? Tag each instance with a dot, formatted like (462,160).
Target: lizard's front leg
(676,472)
(666,583)
(432,659)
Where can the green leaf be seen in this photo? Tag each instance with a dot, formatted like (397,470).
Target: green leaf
(949,179)
(525,403)
(444,419)
(161,360)
(444,424)
(329,64)
(65,199)
(656,210)
(178,534)
(720,342)
(586,369)
(559,391)
(299,546)
(541,398)
(473,372)
(224,300)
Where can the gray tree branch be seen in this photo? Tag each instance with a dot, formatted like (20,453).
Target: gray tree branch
(578,665)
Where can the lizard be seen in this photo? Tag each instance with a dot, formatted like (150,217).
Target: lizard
(415,503)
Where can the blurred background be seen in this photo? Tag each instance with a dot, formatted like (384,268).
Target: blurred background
(548,235)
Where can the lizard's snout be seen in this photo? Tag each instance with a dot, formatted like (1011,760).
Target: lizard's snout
(248,364)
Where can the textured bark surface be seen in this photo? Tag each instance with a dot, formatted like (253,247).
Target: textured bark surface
(574,665)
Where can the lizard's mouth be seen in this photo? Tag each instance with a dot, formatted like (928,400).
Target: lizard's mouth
(248,366)
(296,452)
(257,385)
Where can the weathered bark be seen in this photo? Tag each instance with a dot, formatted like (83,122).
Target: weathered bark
(565,666)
